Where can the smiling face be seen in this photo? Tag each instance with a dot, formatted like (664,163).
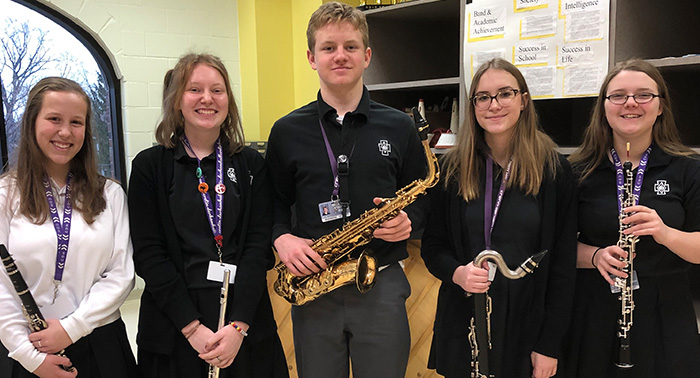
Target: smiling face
(60,130)
(204,103)
(632,121)
(340,56)
(498,121)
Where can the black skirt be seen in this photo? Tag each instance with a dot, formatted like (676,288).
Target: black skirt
(663,338)
(264,359)
(104,353)
(261,354)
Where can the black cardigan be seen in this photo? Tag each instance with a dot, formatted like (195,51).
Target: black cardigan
(166,306)
(443,250)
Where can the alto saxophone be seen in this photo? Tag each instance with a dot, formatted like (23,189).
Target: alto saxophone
(223,300)
(480,324)
(627,243)
(336,246)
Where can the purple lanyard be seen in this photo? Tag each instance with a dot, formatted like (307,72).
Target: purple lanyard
(62,228)
(213,216)
(331,159)
(490,220)
(621,178)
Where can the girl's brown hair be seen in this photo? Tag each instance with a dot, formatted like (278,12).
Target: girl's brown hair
(87,185)
(172,124)
(598,139)
(531,149)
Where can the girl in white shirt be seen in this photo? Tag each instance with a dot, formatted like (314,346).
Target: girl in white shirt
(67,229)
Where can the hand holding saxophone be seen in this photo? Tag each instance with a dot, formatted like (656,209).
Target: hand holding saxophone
(395,229)
(297,255)
(471,278)
(51,340)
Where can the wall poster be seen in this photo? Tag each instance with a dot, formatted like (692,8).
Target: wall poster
(560,46)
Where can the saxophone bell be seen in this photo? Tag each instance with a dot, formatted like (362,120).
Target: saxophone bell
(366,271)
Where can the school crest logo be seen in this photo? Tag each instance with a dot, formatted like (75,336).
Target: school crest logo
(384,147)
(231,173)
(661,187)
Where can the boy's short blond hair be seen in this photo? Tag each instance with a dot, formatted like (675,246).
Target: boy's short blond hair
(335,12)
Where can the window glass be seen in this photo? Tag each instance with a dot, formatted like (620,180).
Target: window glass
(32,47)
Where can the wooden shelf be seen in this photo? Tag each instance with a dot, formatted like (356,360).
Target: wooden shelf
(416,84)
(690,62)
(417,10)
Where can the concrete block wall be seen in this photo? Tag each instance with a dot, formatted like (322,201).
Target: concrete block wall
(145,38)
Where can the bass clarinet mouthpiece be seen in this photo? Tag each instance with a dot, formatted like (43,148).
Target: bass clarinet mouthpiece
(533,262)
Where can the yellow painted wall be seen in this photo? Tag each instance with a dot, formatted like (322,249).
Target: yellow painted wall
(305,79)
(250,109)
(275,75)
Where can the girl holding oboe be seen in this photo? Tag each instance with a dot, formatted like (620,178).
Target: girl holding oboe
(634,107)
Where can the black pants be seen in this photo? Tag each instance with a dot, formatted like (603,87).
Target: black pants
(369,329)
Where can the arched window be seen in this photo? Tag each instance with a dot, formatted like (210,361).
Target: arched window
(37,41)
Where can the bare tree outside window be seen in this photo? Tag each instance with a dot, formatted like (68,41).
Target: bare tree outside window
(33,47)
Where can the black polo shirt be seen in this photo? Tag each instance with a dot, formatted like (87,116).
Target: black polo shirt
(384,153)
(671,186)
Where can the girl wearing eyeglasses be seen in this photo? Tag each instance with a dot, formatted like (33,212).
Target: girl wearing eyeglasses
(505,188)
(633,107)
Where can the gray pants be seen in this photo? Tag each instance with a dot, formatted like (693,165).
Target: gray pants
(370,329)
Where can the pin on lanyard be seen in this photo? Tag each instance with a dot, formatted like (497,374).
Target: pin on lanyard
(621,178)
(62,230)
(489,219)
(214,215)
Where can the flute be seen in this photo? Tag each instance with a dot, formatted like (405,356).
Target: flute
(223,299)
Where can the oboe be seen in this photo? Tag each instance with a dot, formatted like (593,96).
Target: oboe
(627,243)
(480,325)
(29,307)
(223,300)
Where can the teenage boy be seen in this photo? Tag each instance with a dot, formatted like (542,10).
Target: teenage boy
(383,154)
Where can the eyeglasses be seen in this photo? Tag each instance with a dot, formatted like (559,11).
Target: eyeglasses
(483,101)
(639,98)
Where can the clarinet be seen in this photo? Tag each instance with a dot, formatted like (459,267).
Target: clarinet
(627,243)
(223,300)
(480,325)
(29,307)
